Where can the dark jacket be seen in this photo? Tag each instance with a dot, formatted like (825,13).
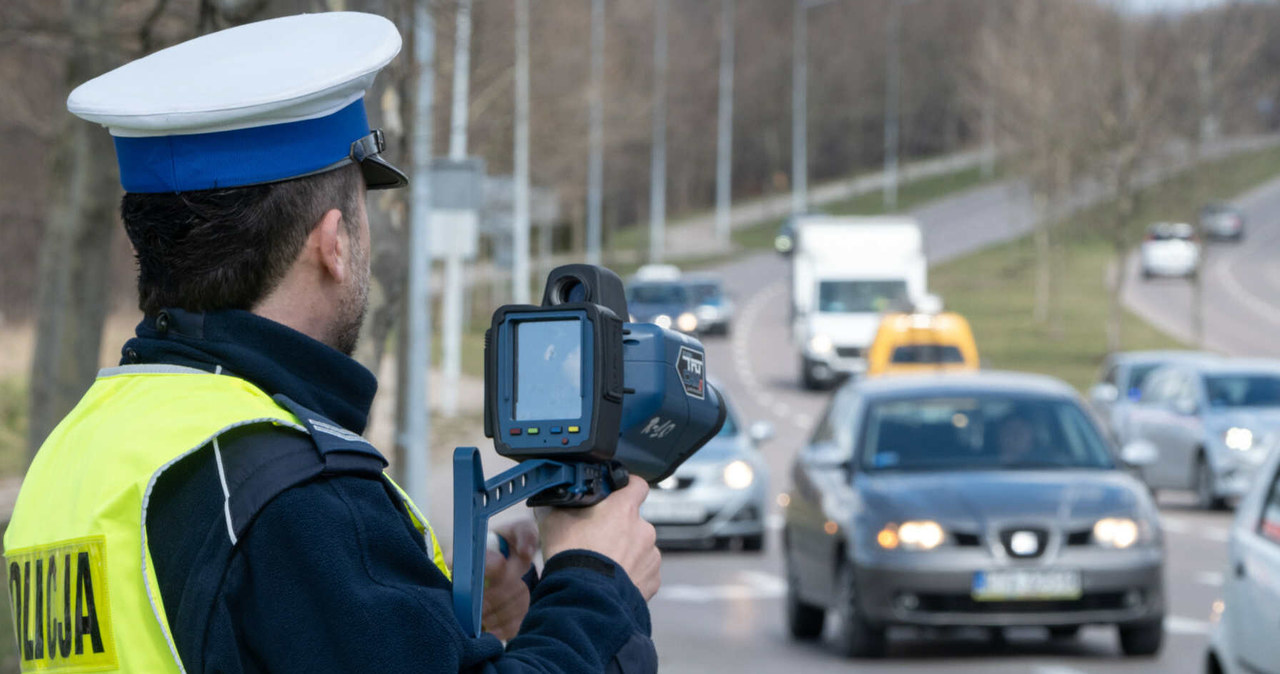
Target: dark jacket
(330,575)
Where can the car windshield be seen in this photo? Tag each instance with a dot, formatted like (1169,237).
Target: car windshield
(861,296)
(659,293)
(927,354)
(729,429)
(1138,375)
(986,431)
(708,293)
(1242,390)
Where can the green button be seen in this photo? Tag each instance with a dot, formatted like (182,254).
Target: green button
(532,431)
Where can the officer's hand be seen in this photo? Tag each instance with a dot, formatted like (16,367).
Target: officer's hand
(612,528)
(506,597)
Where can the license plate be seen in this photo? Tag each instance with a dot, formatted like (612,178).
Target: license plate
(673,512)
(1027,585)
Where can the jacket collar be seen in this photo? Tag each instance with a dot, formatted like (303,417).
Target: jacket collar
(273,357)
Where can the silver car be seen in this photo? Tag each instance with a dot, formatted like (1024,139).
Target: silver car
(713,306)
(1212,424)
(718,497)
(968,500)
(1222,221)
(1120,384)
(1244,635)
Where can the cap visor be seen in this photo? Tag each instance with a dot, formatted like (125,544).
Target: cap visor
(379,174)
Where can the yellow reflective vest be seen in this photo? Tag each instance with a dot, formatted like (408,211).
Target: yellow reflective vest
(81,583)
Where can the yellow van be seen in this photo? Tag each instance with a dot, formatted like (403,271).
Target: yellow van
(917,343)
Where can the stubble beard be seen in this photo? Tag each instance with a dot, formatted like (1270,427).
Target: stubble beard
(355,306)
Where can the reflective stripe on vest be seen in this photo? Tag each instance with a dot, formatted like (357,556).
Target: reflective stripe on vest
(81,582)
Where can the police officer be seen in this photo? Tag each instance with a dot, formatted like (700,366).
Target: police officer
(210,505)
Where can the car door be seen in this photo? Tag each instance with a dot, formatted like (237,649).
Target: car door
(1253,587)
(1148,419)
(805,520)
(1185,432)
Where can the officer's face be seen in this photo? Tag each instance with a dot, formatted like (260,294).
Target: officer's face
(355,302)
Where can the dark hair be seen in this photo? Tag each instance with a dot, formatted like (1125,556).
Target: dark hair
(228,248)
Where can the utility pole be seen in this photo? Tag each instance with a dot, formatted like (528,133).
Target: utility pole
(520,238)
(414,436)
(988,108)
(799,109)
(658,165)
(893,64)
(724,127)
(452,310)
(595,152)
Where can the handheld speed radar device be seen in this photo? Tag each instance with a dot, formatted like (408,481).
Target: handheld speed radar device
(583,400)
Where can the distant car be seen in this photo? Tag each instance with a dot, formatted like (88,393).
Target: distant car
(1222,221)
(1120,384)
(712,305)
(1212,423)
(785,240)
(922,343)
(1244,640)
(667,304)
(657,272)
(1170,249)
(718,496)
(968,500)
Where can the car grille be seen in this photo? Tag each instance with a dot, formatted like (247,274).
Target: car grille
(963,603)
(1081,537)
(1042,540)
(849,351)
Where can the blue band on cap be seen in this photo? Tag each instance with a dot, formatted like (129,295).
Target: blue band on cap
(261,154)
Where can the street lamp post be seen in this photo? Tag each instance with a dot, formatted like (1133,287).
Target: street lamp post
(893,65)
(724,126)
(658,164)
(520,237)
(800,104)
(595,153)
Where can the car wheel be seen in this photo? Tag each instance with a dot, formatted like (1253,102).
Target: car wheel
(1206,499)
(1141,639)
(855,636)
(753,543)
(1064,632)
(804,621)
(810,382)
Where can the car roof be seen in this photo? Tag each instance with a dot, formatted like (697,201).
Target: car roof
(1166,355)
(1019,383)
(1237,366)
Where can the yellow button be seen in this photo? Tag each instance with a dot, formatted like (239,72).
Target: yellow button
(574,429)
(532,431)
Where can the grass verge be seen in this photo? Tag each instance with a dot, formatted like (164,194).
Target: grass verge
(995,287)
(13,426)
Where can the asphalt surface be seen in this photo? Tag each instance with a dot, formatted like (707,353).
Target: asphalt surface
(723,611)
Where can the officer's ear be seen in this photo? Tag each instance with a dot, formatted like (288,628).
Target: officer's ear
(332,245)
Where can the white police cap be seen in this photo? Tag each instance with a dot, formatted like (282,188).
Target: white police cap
(258,103)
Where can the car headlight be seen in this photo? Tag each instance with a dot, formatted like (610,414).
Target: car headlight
(1239,439)
(782,243)
(707,312)
(663,321)
(820,344)
(687,322)
(911,535)
(1115,532)
(739,475)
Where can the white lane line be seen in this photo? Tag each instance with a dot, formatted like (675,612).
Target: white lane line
(1174,526)
(1057,669)
(1215,535)
(1182,527)
(1210,578)
(774,521)
(1176,624)
(742,359)
(750,586)
(1257,305)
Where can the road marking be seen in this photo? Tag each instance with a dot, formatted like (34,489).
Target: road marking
(760,394)
(1058,669)
(1172,525)
(1211,578)
(775,521)
(751,586)
(1176,624)
(1216,535)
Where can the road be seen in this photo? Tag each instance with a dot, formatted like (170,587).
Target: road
(1241,286)
(724,611)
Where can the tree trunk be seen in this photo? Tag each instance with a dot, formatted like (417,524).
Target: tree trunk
(75,254)
(1044,261)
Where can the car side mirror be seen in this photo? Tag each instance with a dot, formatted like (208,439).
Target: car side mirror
(760,431)
(1104,393)
(1139,453)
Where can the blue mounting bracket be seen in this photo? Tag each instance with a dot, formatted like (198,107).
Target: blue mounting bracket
(475,500)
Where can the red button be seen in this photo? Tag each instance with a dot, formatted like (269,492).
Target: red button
(515,431)
(564,441)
